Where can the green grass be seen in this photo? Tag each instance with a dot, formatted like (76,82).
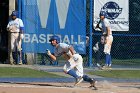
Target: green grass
(123,62)
(126,74)
(127,62)
(25,73)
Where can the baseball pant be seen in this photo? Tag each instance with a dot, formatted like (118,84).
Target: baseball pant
(15,45)
(75,63)
(108,44)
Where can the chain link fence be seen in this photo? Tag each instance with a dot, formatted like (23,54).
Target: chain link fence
(125,47)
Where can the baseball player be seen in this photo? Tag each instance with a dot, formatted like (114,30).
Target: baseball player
(15,29)
(74,61)
(104,26)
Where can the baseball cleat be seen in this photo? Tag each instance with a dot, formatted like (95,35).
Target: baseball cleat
(78,80)
(98,65)
(109,66)
(12,63)
(105,67)
(93,82)
(20,63)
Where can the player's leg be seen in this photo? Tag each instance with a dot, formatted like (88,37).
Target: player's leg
(12,49)
(74,68)
(92,81)
(110,59)
(78,78)
(98,58)
(79,71)
(107,59)
(107,49)
(79,67)
(70,70)
(10,58)
(19,49)
(17,53)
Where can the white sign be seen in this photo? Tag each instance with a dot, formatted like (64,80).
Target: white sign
(117,12)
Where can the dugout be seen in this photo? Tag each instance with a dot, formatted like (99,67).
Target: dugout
(4,16)
(6,7)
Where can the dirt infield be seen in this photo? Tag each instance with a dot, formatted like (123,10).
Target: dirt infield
(103,87)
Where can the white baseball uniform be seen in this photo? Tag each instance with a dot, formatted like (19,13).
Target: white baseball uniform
(109,38)
(74,62)
(14,28)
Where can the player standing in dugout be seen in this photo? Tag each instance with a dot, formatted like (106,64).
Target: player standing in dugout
(15,28)
(74,61)
(104,26)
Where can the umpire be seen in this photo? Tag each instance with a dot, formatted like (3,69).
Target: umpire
(15,29)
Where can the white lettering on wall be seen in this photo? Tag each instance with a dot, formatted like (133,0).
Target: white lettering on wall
(62,11)
(43,7)
(43,38)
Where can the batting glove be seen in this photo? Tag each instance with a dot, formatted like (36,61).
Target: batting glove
(48,52)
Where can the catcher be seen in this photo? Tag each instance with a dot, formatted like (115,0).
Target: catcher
(99,54)
(15,29)
(74,61)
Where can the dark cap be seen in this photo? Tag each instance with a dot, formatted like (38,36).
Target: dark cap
(103,13)
(55,38)
(14,13)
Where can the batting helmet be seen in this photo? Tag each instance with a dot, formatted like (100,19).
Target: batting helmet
(14,13)
(103,13)
(55,38)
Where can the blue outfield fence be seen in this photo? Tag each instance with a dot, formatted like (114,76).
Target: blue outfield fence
(63,18)
(72,20)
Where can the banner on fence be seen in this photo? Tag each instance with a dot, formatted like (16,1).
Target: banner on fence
(117,13)
(44,18)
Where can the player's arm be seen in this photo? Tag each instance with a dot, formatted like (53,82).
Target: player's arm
(21,32)
(53,57)
(97,26)
(108,31)
(72,50)
(21,29)
(8,27)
